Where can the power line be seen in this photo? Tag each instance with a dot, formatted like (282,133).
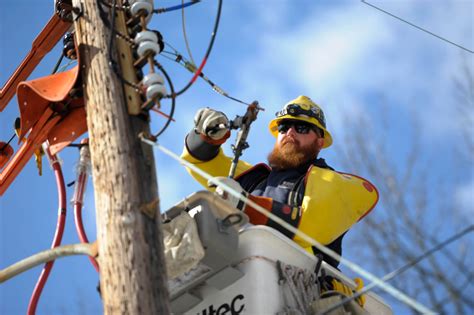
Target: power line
(403,268)
(416,26)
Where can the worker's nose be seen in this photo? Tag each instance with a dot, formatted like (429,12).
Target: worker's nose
(291,131)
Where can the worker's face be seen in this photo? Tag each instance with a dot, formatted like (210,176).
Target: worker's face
(303,137)
(294,148)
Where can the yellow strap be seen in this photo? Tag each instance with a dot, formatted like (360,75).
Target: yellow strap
(38,152)
(360,284)
(39,161)
(341,287)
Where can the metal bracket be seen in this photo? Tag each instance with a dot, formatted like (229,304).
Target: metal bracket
(126,62)
(77,12)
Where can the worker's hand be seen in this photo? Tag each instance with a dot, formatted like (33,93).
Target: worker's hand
(222,191)
(211,123)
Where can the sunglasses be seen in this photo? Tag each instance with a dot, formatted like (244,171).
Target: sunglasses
(299,126)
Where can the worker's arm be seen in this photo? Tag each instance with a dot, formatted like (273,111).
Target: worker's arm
(203,145)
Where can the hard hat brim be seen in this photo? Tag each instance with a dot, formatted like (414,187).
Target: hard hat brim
(273,127)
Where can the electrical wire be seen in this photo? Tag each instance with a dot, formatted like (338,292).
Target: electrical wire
(173,100)
(82,174)
(192,68)
(58,63)
(183,25)
(47,256)
(8,142)
(59,229)
(63,68)
(403,268)
(417,27)
(343,261)
(176,7)
(206,56)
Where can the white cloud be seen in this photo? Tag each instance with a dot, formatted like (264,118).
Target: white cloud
(352,51)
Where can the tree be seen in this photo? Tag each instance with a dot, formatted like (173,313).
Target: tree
(418,208)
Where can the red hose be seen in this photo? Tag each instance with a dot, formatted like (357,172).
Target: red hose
(58,234)
(78,213)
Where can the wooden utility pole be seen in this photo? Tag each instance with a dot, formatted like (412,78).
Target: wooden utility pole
(132,269)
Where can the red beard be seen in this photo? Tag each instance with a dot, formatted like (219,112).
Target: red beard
(290,154)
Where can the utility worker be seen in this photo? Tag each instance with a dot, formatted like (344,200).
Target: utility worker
(297,186)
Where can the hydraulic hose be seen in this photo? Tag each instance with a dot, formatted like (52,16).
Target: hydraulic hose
(54,162)
(83,168)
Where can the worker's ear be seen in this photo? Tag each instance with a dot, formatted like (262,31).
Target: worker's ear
(320,143)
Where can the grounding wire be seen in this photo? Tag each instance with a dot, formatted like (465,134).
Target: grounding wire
(354,267)
(206,56)
(403,268)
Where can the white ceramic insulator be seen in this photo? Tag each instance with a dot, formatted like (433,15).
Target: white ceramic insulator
(146,36)
(152,78)
(155,91)
(130,2)
(144,47)
(138,6)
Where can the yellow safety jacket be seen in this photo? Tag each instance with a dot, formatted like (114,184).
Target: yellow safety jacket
(332,201)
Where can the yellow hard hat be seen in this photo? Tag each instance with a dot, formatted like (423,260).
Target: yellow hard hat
(304,109)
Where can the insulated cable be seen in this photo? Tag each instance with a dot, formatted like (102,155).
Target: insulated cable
(58,63)
(403,268)
(56,166)
(354,267)
(8,142)
(183,25)
(173,100)
(83,168)
(206,56)
(176,7)
(54,162)
(47,256)
(192,68)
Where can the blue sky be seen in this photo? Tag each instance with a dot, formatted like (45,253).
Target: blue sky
(346,55)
